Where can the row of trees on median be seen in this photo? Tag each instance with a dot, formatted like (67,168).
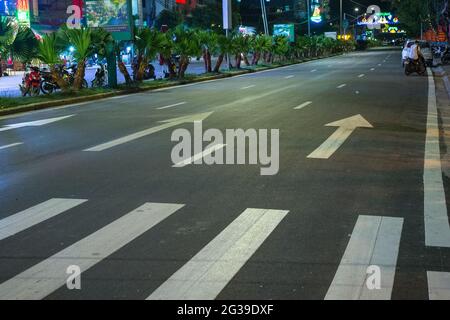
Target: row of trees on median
(185,43)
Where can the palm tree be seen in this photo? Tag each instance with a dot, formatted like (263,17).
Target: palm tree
(81,40)
(49,50)
(224,47)
(25,46)
(261,45)
(148,43)
(209,43)
(187,44)
(17,42)
(7,35)
(280,46)
(241,45)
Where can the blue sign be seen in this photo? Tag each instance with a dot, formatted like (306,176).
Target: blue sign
(7,7)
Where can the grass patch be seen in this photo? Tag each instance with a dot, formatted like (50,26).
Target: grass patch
(12,102)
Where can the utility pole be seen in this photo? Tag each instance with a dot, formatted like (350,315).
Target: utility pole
(308,10)
(340,18)
(141,13)
(264,17)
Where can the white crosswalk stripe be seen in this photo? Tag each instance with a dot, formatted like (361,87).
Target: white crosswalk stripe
(47,276)
(374,242)
(438,285)
(208,272)
(25,219)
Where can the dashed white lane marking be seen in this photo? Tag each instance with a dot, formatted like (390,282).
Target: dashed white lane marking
(313,70)
(200,155)
(438,285)
(289,77)
(379,64)
(374,242)
(357,92)
(372,69)
(172,105)
(11,145)
(361,75)
(248,87)
(209,271)
(437,228)
(47,276)
(307,103)
(341,86)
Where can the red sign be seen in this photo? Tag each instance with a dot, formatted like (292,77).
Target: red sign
(180,1)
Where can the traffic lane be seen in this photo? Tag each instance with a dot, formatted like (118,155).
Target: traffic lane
(203,191)
(183,89)
(135,110)
(251,108)
(414,259)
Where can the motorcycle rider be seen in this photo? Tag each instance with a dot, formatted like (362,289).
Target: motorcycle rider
(415,54)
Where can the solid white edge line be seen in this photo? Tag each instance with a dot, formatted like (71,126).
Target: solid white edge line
(437,228)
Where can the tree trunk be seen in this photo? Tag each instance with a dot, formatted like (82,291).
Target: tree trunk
(218,63)
(247,63)
(205,59)
(238,61)
(79,75)
(208,57)
(123,69)
(184,62)
(141,69)
(57,77)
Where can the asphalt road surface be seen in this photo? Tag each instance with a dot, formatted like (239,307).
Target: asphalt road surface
(346,217)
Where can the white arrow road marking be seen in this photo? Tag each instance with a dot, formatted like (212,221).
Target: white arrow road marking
(172,105)
(438,285)
(248,87)
(33,123)
(307,103)
(375,241)
(11,145)
(437,228)
(289,77)
(209,271)
(25,219)
(200,155)
(167,124)
(341,86)
(346,127)
(47,276)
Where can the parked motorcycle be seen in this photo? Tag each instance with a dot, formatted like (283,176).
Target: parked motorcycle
(445,57)
(417,66)
(100,77)
(31,83)
(49,85)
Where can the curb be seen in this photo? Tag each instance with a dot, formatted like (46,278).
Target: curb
(100,96)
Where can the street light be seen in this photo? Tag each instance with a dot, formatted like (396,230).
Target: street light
(356,9)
